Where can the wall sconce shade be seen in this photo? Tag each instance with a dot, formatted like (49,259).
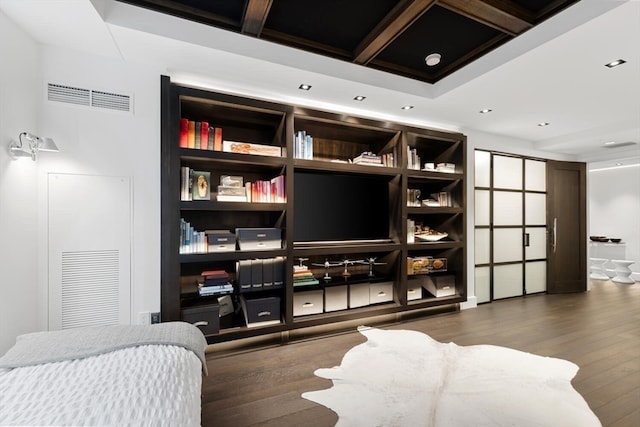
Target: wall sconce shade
(31,147)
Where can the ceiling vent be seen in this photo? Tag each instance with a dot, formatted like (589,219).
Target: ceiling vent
(619,144)
(88,98)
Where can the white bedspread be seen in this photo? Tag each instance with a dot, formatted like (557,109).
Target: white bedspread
(149,385)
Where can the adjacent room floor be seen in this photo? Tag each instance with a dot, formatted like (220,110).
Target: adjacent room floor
(598,330)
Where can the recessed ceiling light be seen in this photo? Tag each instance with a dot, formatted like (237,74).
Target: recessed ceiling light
(609,143)
(618,164)
(433,59)
(541,124)
(485,111)
(407,107)
(360,98)
(615,63)
(304,87)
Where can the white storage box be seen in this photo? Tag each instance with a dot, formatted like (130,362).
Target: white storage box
(440,286)
(308,302)
(336,298)
(380,292)
(414,289)
(358,295)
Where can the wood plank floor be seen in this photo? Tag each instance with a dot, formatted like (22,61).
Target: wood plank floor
(598,330)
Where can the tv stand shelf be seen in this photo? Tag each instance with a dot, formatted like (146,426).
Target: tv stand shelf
(340,216)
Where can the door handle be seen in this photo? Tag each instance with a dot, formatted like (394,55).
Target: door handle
(526,239)
(555,234)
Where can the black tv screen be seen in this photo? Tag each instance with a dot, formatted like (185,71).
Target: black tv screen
(340,207)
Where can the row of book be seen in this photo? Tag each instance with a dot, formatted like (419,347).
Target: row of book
(196,185)
(200,135)
(302,145)
(413,159)
(192,241)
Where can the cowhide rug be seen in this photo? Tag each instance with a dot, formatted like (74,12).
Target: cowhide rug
(406,378)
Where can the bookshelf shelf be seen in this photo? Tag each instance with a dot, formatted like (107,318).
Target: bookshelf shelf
(358,216)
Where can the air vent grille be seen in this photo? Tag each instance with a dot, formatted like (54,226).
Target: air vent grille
(90,286)
(68,94)
(112,101)
(88,97)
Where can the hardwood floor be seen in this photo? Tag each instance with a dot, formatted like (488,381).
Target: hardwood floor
(598,330)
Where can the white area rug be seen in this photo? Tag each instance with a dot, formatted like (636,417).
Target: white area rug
(406,378)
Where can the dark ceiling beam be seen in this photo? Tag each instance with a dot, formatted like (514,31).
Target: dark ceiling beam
(503,15)
(394,24)
(177,8)
(255,15)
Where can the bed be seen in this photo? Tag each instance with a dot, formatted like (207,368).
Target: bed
(109,375)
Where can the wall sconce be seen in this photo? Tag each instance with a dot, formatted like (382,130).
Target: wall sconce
(33,145)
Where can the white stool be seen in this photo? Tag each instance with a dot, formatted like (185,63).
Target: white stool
(597,269)
(622,271)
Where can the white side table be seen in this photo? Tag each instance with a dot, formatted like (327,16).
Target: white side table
(623,272)
(598,268)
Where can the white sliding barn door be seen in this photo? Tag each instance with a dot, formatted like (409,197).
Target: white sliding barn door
(89,248)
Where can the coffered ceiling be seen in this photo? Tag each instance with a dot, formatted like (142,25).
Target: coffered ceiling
(389,35)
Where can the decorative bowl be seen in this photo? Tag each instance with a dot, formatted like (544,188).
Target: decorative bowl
(598,238)
(431,237)
(615,240)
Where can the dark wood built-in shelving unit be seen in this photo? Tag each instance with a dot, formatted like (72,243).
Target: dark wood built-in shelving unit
(336,140)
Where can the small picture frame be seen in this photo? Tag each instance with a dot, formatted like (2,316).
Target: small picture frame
(201,185)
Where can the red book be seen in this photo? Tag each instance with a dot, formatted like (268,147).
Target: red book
(191,135)
(184,132)
(204,135)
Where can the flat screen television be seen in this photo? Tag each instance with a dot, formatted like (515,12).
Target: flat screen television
(340,207)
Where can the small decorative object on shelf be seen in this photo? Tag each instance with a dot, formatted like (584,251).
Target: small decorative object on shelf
(201,185)
(446,167)
(428,234)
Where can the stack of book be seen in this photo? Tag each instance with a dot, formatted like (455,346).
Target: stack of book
(215,282)
(200,135)
(302,276)
(303,145)
(368,158)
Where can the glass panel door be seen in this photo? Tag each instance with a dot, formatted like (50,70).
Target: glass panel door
(510,226)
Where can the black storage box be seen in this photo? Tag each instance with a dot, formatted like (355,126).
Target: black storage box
(255,239)
(205,317)
(260,311)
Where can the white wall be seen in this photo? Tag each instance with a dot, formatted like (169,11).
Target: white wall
(18,187)
(91,141)
(614,211)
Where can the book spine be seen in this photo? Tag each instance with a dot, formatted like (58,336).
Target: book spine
(210,138)
(204,136)
(191,134)
(197,135)
(184,133)
(217,140)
